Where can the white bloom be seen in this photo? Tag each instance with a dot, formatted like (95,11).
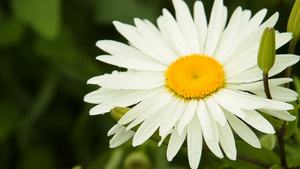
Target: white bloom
(193,80)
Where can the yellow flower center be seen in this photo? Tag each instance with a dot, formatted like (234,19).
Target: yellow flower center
(194,76)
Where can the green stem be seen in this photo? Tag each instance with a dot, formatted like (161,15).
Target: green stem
(288,71)
(280,136)
(254,161)
(266,85)
(279,131)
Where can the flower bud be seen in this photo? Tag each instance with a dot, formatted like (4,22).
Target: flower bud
(267,50)
(294,21)
(137,160)
(118,112)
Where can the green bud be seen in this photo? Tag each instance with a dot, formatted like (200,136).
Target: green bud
(137,160)
(267,50)
(118,112)
(77,167)
(294,21)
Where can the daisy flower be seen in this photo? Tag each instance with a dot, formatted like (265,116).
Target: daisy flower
(193,80)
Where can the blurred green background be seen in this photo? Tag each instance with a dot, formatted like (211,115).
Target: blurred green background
(47,53)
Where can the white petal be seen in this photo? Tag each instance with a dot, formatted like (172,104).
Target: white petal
(141,107)
(119,49)
(115,129)
(176,109)
(278,105)
(205,121)
(242,61)
(175,34)
(227,42)
(162,101)
(285,60)
(152,26)
(227,104)
(254,22)
(131,33)
(227,141)
(215,110)
(201,24)
(100,109)
(254,74)
(257,121)
(215,27)
(130,80)
(246,14)
(243,130)
(241,99)
(250,75)
(148,127)
(259,85)
(121,98)
(187,115)
(156,41)
(120,138)
(283,94)
(194,142)
(209,129)
(110,95)
(283,38)
(255,36)
(130,63)
(175,143)
(98,96)
(186,24)
(281,114)
(164,29)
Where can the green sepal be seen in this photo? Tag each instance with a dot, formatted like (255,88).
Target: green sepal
(266,52)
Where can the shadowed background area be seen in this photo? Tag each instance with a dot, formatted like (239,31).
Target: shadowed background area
(47,53)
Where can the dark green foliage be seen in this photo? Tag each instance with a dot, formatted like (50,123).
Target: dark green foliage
(47,53)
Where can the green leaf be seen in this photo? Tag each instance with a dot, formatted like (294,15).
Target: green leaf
(11,31)
(297,86)
(264,155)
(268,141)
(276,166)
(9,119)
(125,10)
(292,151)
(42,15)
(292,126)
(238,164)
(37,157)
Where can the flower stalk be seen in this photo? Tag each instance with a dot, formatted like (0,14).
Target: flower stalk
(266,56)
(265,61)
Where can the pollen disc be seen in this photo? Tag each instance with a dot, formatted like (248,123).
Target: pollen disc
(194,76)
